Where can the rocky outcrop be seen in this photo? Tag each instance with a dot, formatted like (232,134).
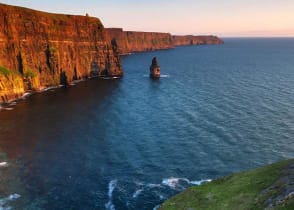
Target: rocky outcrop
(154,69)
(133,41)
(39,49)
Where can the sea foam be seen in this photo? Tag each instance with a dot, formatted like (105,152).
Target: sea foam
(3,164)
(156,207)
(177,183)
(137,193)
(4,201)
(111,186)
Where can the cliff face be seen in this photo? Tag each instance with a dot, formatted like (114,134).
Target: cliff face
(196,40)
(132,41)
(11,85)
(39,49)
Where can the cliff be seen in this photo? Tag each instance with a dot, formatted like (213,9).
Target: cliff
(133,41)
(195,40)
(268,187)
(39,49)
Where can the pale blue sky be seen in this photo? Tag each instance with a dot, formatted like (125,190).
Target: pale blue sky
(220,17)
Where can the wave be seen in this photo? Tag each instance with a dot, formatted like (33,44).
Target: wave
(156,207)
(49,88)
(177,183)
(26,94)
(200,182)
(12,103)
(150,185)
(137,193)
(110,78)
(3,164)
(158,192)
(111,186)
(174,182)
(162,75)
(4,201)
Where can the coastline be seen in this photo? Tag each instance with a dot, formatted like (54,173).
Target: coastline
(33,55)
(7,106)
(266,187)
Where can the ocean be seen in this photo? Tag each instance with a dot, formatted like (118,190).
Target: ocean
(131,143)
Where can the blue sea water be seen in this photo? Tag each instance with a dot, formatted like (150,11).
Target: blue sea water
(134,142)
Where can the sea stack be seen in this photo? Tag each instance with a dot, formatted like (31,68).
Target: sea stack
(154,69)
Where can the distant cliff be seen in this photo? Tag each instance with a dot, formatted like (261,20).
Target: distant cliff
(133,41)
(196,40)
(39,49)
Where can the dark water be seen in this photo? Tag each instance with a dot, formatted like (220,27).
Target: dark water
(134,142)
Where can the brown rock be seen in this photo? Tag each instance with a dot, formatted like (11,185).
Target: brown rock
(47,46)
(133,41)
(196,40)
(154,69)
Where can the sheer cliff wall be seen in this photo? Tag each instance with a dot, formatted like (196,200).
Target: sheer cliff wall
(133,41)
(39,49)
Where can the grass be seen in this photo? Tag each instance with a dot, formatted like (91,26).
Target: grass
(30,73)
(237,191)
(4,71)
(52,49)
(2,156)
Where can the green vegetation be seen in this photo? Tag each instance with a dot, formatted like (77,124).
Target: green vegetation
(237,191)
(2,156)
(154,41)
(52,49)
(30,73)
(4,71)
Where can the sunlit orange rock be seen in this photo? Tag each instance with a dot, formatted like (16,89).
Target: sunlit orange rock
(40,47)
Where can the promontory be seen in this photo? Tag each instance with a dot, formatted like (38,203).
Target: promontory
(40,49)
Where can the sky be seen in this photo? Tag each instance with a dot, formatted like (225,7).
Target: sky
(225,18)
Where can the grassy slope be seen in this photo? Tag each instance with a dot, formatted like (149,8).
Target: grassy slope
(237,191)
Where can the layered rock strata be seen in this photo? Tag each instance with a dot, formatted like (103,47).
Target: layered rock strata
(133,41)
(39,49)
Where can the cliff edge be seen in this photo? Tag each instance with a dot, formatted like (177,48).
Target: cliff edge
(268,187)
(39,49)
